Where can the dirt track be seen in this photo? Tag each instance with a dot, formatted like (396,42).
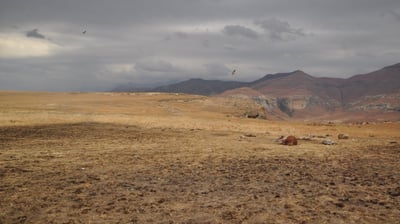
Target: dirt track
(103,172)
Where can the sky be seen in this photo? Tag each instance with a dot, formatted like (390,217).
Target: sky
(96,45)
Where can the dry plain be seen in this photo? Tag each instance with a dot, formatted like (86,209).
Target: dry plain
(173,158)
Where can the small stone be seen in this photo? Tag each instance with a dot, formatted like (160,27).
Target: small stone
(328,142)
(339,204)
(394,192)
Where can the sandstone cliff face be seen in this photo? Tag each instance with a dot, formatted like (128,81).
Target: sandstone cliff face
(382,102)
(298,94)
(291,105)
(301,104)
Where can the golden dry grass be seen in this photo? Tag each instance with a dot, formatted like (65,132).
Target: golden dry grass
(173,158)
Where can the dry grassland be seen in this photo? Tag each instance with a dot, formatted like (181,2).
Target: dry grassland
(171,158)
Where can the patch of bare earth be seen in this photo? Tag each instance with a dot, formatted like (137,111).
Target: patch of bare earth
(93,172)
(189,165)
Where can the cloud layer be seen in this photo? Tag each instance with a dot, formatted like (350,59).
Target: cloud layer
(43,47)
(35,34)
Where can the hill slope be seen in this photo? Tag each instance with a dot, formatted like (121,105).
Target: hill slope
(383,81)
(303,96)
(200,87)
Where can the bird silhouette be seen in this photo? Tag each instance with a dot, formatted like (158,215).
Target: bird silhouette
(234,71)
(84,32)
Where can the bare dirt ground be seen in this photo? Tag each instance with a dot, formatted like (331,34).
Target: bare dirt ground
(166,158)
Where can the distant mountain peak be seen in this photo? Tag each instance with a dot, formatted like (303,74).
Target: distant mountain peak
(272,76)
(297,71)
(393,66)
(300,74)
(196,79)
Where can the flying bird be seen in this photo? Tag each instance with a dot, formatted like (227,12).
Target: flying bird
(84,32)
(234,71)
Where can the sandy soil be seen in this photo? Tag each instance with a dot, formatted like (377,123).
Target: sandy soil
(166,158)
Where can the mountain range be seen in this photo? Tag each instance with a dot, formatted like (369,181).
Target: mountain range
(375,95)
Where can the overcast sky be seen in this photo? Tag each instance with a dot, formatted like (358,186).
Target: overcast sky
(44,46)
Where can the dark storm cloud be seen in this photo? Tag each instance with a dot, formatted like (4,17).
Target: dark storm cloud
(395,14)
(155,66)
(279,30)
(158,41)
(237,30)
(215,70)
(35,34)
(182,35)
